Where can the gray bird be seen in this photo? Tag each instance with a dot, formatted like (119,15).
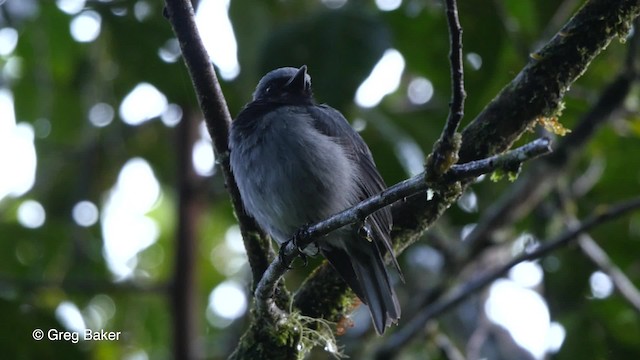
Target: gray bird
(296,163)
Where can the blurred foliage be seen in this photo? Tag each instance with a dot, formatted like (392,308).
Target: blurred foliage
(59,80)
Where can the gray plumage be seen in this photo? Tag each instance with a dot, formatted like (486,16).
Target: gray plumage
(297,163)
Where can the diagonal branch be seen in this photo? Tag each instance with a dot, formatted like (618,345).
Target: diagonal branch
(539,88)
(218,119)
(462,292)
(599,258)
(534,92)
(558,64)
(534,186)
(509,160)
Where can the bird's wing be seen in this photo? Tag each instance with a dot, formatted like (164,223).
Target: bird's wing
(332,123)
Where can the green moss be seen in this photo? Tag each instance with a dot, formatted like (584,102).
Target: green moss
(266,339)
(315,333)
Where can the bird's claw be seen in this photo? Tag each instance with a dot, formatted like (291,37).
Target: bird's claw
(363,230)
(300,234)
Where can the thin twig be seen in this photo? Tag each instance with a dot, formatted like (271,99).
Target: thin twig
(445,150)
(509,160)
(461,293)
(456,110)
(210,97)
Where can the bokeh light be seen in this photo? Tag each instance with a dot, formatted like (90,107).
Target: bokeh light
(601,285)
(384,79)
(527,274)
(126,229)
(388,5)
(212,19)
(85,213)
(85,27)
(71,7)
(227,302)
(420,91)
(101,114)
(8,40)
(143,103)
(17,151)
(31,214)
(70,317)
(524,313)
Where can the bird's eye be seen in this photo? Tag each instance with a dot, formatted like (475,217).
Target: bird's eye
(268,89)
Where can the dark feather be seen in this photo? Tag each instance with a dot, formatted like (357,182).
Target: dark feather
(282,136)
(331,123)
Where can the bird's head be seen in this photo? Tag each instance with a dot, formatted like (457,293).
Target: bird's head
(286,84)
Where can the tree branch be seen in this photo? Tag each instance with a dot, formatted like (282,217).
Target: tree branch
(503,121)
(534,186)
(557,66)
(290,250)
(462,292)
(445,150)
(540,85)
(544,81)
(218,119)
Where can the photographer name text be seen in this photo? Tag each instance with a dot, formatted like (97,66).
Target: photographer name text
(76,336)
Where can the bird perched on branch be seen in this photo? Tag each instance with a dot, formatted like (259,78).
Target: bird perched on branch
(297,163)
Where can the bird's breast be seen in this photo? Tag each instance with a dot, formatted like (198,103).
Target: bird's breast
(289,174)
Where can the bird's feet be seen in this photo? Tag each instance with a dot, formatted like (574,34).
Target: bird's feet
(299,236)
(362,230)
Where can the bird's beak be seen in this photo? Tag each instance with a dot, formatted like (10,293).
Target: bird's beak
(299,80)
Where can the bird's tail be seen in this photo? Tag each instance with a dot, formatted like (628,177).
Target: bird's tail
(363,269)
